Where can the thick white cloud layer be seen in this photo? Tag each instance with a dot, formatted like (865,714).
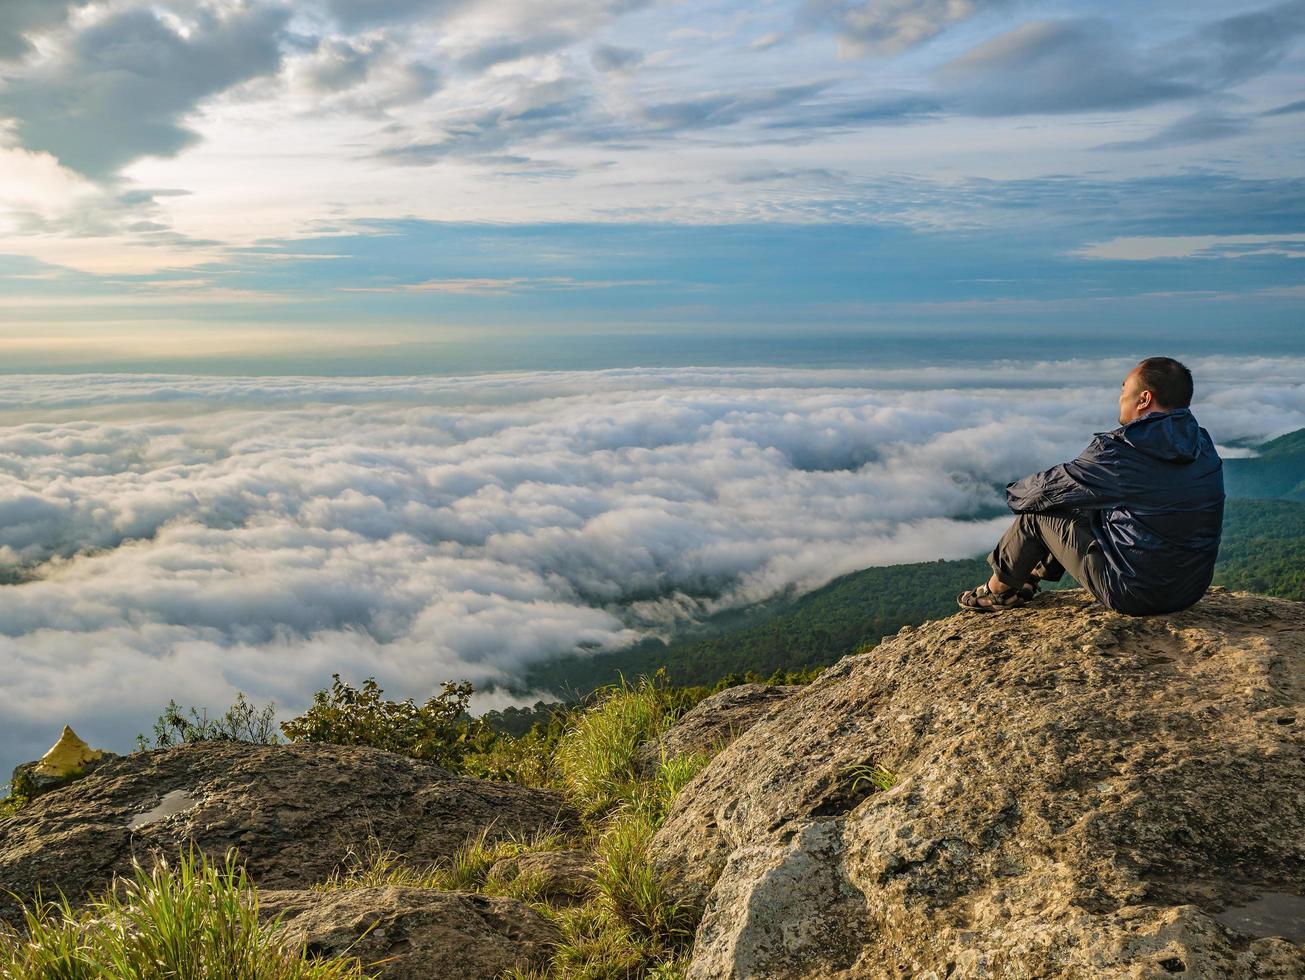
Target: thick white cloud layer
(196,536)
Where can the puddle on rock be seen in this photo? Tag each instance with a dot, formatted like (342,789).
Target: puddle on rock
(1272,914)
(174,802)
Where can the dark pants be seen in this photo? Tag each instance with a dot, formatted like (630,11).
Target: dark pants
(1048,545)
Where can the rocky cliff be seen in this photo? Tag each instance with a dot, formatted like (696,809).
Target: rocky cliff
(1051,792)
(1056,791)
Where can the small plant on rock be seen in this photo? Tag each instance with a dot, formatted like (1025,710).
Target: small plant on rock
(242,722)
(871,777)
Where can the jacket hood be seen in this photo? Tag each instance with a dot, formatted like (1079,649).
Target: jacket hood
(1172,436)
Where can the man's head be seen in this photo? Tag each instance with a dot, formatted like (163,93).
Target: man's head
(1158,384)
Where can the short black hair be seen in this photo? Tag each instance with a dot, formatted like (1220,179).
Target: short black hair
(1169,381)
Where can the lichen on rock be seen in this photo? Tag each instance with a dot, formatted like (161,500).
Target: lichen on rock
(68,759)
(67,756)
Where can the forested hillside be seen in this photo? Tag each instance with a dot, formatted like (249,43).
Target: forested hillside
(1278,470)
(1263,548)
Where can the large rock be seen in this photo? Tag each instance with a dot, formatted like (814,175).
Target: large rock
(415,933)
(294,812)
(1077,794)
(558,876)
(714,722)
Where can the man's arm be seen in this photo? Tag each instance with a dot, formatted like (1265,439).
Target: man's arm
(1089,482)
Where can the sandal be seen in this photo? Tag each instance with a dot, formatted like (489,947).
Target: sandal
(997,601)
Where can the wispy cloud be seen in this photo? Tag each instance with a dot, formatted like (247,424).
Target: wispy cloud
(879,27)
(1143,248)
(498,287)
(1198,127)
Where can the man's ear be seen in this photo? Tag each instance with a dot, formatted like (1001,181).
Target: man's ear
(1145,399)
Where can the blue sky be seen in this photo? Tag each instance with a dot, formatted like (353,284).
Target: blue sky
(185,178)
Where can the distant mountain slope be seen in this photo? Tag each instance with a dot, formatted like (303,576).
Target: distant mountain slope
(1263,551)
(813,630)
(1278,470)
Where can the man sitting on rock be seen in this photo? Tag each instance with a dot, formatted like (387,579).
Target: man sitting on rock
(1135,519)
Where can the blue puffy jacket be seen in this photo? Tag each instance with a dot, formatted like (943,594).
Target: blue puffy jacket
(1154,492)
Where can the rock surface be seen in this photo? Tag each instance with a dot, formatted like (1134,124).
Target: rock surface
(556,874)
(1077,794)
(293,811)
(716,721)
(415,933)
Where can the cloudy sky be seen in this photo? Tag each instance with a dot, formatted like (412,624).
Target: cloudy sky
(259,176)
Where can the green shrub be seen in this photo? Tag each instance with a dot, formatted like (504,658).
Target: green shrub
(527,760)
(376,867)
(190,919)
(242,722)
(438,731)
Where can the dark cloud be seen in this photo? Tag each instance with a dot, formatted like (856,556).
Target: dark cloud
(609,58)
(552,109)
(1284,110)
(525,34)
(498,52)
(563,111)
(337,64)
(19,18)
(1055,67)
(124,86)
(775,174)
(724,108)
(369,77)
(881,107)
(135,214)
(1199,127)
(356,15)
(1082,65)
(1243,46)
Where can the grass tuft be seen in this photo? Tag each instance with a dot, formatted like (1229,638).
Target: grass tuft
(467,869)
(598,757)
(190,918)
(876,777)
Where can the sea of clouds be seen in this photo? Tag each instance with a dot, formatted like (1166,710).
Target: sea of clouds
(194,536)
